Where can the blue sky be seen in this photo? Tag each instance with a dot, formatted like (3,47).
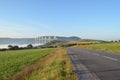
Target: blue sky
(95,19)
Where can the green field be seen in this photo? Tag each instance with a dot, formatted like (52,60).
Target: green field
(12,62)
(106,47)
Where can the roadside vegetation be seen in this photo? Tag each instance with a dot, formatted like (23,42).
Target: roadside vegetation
(12,62)
(56,66)
(36,64)
(113,47)
(58,43)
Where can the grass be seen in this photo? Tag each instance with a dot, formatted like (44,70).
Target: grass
(12,62)
(56,66)
(106,47)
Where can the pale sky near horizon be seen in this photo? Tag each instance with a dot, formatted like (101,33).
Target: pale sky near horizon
(94,19)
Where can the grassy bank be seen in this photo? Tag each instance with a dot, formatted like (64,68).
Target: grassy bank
(106,47)
(12,62)
(56,66)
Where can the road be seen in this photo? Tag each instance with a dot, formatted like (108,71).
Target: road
(95,65)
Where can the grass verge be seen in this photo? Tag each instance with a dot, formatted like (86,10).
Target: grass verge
(56,66)
(105,47)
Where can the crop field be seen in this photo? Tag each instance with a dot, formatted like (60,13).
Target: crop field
(12,62)
(106,47)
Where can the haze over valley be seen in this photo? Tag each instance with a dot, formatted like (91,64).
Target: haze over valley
(22,42)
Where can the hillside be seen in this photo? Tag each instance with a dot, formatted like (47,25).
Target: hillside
(60,43)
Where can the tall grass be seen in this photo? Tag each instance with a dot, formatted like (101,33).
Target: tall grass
(12,62)
(106,47)
(56,67)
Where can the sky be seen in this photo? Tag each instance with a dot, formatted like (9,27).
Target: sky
(91,19)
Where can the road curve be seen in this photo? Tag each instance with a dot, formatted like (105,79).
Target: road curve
(95,65)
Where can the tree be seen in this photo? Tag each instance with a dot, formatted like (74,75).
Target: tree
(16,47)
(29,46)
(111,41)
(10,47)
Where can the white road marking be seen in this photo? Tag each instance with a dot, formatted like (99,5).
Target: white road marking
(114,59)
(111,58)
(96,54)
(88,52)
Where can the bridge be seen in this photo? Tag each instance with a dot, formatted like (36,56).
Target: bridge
(44,39)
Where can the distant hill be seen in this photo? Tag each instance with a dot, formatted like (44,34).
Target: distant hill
(89,40)
(71,42)
(68,38)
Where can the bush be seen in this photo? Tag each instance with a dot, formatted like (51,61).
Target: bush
(30,46)
(10,47)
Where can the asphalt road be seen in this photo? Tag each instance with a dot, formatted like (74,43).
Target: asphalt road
(95,65)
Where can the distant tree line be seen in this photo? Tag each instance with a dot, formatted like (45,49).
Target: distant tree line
(11,47)
(115,41)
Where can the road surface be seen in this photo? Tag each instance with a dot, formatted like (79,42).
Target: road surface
(95,65)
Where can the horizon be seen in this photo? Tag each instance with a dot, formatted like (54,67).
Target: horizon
(87,19)
(58,36)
